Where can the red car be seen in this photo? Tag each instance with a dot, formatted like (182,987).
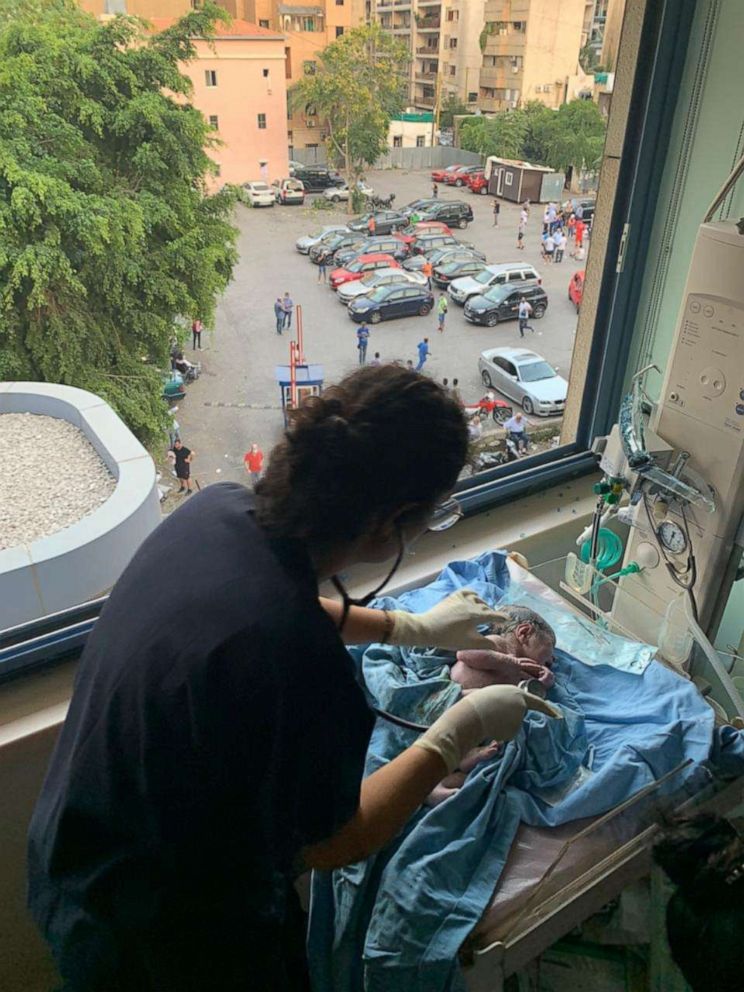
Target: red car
(576,288)
(478,183)
(360,267)
(460,176)
(440,175)
(414,231)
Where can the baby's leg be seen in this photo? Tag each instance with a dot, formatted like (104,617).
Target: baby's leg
(446,788)
(478,754)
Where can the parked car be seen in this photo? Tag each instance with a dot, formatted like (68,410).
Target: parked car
(294,166)
(477,183)
(426,242)
(388,302)
(460,176)
(327,247)
(440,175)
(305,243)
(419,206)
(386,221)
(502,303)
(436,255)
(316,178)
(288,191)
(516,273)
(340,194)
(391,244)
(524,376)
(450,269)
(423,227)
(454,213)
(378,277)
(259,194)
(587,204)
(360,266)
(576,289)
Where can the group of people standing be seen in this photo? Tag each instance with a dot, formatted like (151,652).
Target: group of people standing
(283,312)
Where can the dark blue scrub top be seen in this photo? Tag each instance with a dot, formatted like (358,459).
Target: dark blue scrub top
(215,729)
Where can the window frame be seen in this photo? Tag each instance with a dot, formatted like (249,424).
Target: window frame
(210,78)
(261,124)
(662,50)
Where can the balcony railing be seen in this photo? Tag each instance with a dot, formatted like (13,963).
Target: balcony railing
(425,75)
(423,52)
(429,24)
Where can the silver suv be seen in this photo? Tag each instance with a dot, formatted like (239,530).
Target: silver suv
(521,275)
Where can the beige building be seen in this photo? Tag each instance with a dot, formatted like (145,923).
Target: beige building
(443,37)
(411,130)
(531,52)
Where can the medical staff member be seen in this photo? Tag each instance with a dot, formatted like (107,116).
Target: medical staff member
(215,742)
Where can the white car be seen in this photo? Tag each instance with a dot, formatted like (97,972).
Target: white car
(338,194)
(378,277)
(460,290)
(524,376)
(288,191)
(259,194)
(305,243)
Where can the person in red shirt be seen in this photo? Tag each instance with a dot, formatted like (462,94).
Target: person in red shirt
(427,269)
(371,226)
(253,461)
(579,232)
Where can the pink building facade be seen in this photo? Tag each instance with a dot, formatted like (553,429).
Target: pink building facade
(240,86)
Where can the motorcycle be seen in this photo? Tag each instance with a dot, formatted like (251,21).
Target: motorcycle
(488,405)
(375,202)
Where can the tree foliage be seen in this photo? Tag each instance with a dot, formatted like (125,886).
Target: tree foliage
(572,135)
(109,238)
(452,106)
(359,84)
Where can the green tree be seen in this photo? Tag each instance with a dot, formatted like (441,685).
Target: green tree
(109,237)
(503,134)
(573,135)
(359,84)
(452,106)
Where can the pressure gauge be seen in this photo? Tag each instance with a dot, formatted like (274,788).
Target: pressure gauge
(672,537)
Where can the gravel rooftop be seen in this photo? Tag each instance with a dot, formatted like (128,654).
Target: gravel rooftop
(50,477)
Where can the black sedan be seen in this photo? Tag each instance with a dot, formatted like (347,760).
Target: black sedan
(388,302)
(386,221)
(418,206)
(389,244)
(453,253)
(450,269)
(502,303)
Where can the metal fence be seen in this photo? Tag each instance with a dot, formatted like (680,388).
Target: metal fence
(438,157)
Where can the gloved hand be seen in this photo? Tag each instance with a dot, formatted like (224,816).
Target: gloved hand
(493,713)
(450,624)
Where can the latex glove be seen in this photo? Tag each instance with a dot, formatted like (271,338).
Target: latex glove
(450,624)
(495,712)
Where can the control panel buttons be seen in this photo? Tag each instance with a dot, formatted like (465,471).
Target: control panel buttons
(694,307)
(708,310)
(713,381)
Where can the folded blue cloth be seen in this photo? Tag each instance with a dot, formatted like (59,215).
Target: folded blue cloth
(395,922)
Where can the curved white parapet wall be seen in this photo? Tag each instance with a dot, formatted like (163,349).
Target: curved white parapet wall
(82,561)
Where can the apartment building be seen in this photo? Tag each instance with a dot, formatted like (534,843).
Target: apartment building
(531,52)
(307,30)
(443,38)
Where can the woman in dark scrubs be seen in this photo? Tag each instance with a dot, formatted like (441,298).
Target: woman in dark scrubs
(216,737)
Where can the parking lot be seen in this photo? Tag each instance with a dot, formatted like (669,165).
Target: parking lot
(237,401)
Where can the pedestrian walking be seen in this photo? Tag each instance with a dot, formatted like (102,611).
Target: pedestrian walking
(279,314)
(552,217)
(322,269)
(526,206)
(435,190)
(579,232)
(182,457)
(371,226)
(546,221)
(376,360)
(560,246)
(442,308)
(496,212)
(288,305)
(423,353)
(362,341)
(520,232)
(571,225)
(549,247)
(427,269)
(253,461)
(525,312)
(196,332)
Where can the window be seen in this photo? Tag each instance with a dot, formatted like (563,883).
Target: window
(261,122)
(263,24)
(290,137)
(509,178)
(218,169)
(339,31)
(420,141)
(397,141)
(210,77)
(472,97)
(287,63)
(339,3)
(265,73)
(309,67)
(453,70)
(195,4)
(453,43)
(214,122)
(308,24)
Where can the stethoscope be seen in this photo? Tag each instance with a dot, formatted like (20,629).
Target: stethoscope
(445,515)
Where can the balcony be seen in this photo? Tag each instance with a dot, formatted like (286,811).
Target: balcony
(430,3)
(497,79)
(400,29)
(429,24)
(425,75)
(428,53)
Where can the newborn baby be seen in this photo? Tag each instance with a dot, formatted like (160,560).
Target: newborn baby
(523,645)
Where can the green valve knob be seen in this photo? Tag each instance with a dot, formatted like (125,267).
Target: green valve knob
(612,498)
(601,488)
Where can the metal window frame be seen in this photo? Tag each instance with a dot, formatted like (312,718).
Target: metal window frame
(661,59)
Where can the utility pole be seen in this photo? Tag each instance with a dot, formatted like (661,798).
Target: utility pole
(437,104)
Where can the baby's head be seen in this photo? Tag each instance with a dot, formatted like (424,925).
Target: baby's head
(526,633)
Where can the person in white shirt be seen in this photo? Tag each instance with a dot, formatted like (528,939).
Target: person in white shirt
(525,310)
(549,248)
(516,431)
(560,244)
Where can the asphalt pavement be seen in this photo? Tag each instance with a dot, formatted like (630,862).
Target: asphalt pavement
(237,401)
